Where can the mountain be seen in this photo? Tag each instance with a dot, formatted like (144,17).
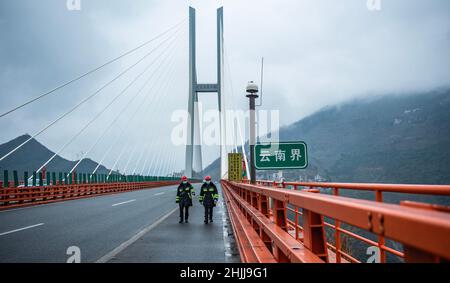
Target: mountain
(33,154)
(388,139)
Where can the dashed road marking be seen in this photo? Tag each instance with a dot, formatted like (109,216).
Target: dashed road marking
(21,229)
(125,202)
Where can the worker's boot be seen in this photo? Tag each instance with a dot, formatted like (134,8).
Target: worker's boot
(181,221)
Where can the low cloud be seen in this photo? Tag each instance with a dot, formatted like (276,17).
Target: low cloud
(317,53)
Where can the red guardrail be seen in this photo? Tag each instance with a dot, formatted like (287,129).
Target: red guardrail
(25,196)
(422,229)
(378,189)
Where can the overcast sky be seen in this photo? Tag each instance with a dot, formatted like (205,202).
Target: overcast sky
(317,53)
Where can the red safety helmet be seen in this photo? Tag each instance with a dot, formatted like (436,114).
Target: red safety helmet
(208,178)
(184,178)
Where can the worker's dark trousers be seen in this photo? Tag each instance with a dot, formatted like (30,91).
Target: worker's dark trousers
(184,212)
(208,213)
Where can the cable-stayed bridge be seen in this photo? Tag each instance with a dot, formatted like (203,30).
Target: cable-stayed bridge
(128,212)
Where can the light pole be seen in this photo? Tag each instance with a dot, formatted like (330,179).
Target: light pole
(252,94)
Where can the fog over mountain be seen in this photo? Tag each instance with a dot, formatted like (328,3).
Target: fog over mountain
(387,139)
(317,53)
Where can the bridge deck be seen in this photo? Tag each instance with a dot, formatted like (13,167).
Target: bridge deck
(180,243)
(101,225)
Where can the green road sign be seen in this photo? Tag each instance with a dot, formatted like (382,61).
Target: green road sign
(283,155)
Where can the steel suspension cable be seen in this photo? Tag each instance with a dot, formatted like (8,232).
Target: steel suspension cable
(129,159)
(124,108)
(155,161)
(80,103)
(166,160)
(134,115)
(238,122)
(97,116)
(161,160)
(170,164)
(89,72)
(144,102)
(115,163)
(163,88)
(158,97)
(167,86)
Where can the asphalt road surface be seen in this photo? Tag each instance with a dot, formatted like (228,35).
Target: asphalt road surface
(140,226)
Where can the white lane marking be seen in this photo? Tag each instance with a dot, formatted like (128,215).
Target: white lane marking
(158,194)
(21,229)
(125,202)
(133,239)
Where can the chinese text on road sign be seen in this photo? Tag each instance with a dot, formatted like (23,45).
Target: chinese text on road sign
(283,155)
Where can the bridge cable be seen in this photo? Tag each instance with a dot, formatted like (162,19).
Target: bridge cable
(238,122)
(89,72)
(154,162)
(161,160)
(81,103)
(137,110)
(172,166)
(129,158)
(167,85)
(159,98)
(166,168)
(158,104)
(99,114)
(124,108)
(119,157)
(166,161)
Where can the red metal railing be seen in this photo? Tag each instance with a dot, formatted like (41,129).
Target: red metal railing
(408,223)
(378,190)
(25,196)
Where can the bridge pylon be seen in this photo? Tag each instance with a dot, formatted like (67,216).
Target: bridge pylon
(193,145)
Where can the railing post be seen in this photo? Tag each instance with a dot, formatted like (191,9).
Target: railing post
(248,199)
(16,179)
(297,232)
(41,179)
(381,239)
(25,179)
(314,233)
(281,221)
(255,204)
(5,179)
(34,179)
(263,207)
(48,178)
(337,233)
(54,178)
(5,185)
(280,214)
